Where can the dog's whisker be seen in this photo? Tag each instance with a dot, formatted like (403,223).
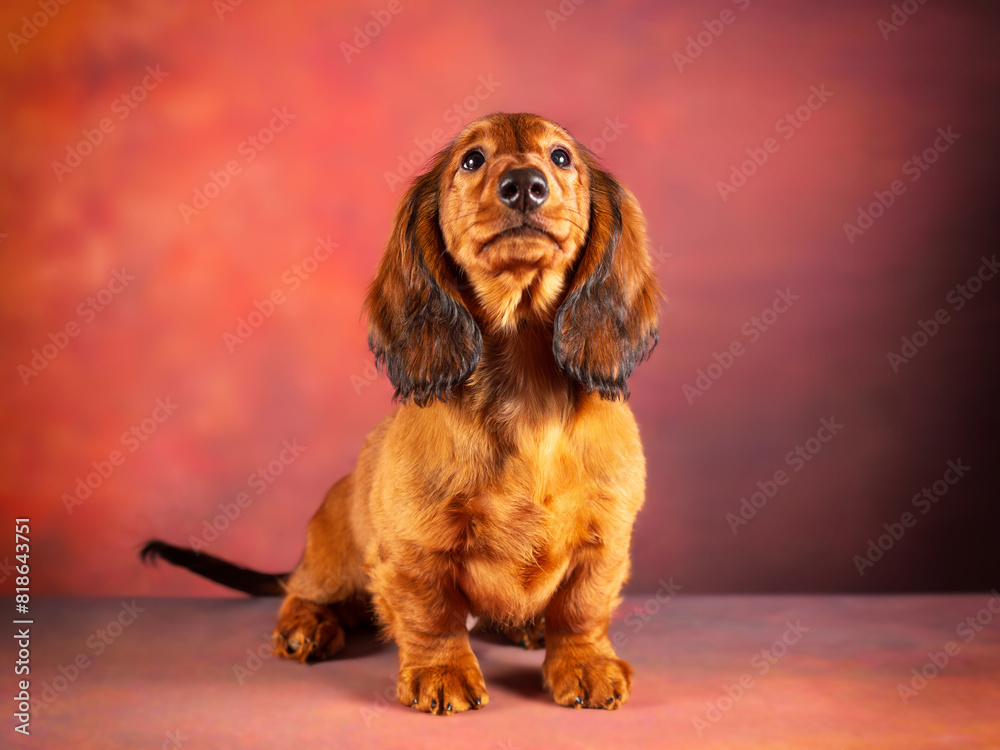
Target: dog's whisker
(453,219)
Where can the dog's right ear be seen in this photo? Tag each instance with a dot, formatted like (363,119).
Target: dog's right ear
(421,332)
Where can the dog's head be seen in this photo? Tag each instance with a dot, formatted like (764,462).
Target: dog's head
(514,221)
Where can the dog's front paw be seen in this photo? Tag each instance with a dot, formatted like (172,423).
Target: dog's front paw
(307,631)
(587,681)
(442,688)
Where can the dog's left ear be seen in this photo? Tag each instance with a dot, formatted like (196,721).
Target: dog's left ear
(419,328)
(608,322)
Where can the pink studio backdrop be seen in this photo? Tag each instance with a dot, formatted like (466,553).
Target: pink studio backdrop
(290,150)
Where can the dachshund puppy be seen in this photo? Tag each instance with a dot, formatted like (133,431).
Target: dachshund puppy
(513,301)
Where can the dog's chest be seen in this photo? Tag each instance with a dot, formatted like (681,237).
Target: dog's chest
(509,568)
(514,547)
(511,525)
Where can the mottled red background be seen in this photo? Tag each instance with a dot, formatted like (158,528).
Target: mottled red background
(305,373)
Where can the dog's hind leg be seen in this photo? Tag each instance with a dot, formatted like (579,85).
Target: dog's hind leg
(326,592)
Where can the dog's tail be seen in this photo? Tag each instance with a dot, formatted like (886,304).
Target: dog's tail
(242,579)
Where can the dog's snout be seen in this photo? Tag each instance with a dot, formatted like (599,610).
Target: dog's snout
(523,189)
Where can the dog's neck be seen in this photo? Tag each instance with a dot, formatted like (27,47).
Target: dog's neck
(518,384)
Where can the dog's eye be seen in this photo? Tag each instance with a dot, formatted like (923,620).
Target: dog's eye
(473,161)
(560,157)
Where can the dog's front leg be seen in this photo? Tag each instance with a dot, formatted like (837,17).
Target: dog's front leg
(581,668)
(438,673)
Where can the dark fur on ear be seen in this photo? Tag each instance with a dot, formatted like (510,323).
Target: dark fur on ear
(422,334)
(608,322)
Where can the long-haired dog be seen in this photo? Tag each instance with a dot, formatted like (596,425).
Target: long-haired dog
(513,301)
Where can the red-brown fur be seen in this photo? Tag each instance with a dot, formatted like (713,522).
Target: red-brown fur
(506,483)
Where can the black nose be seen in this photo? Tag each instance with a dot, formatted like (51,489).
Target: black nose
(523,189)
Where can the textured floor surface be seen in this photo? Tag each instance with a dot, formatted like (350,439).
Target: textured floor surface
(710,672)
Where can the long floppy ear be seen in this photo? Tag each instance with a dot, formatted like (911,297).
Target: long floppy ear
(422,334)
(608,322)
